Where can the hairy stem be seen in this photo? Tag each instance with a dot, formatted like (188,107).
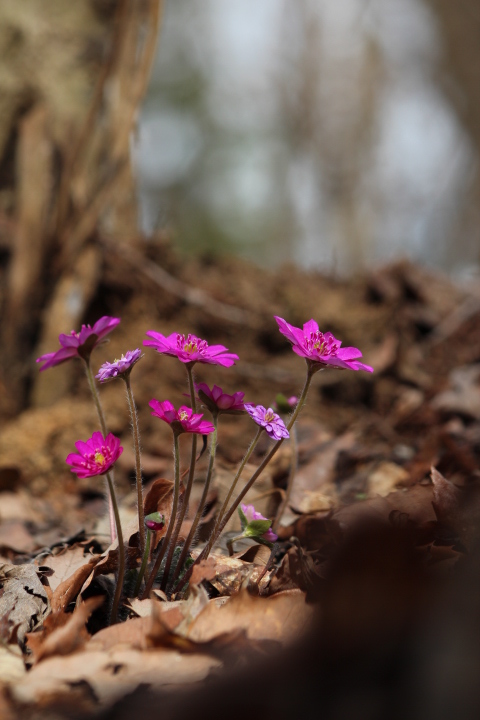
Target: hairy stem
(171,524)
(203,499)
(121,552)
(291,478)
(138,467)
(188,487)
(143,567)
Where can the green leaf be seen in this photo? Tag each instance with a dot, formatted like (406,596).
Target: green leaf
(243,519)
(257,528)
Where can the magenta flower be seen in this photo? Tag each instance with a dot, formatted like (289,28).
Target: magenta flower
(218,401)
(190,349)
(182,421)
(321,348)
(79,344)
(96,456)
(273,423)
(108,371)
(250,529)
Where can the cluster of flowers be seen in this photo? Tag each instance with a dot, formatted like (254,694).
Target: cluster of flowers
(98,454)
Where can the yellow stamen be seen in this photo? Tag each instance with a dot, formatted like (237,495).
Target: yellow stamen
(99,458)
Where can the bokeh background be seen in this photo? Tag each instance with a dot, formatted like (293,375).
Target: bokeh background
(335,134)
(142,139)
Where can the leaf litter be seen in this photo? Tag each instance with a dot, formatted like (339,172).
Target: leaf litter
(385,506)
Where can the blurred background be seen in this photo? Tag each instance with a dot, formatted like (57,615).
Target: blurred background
(135,134)
(332,134)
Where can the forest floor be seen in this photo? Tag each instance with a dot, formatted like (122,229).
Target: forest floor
(380,526)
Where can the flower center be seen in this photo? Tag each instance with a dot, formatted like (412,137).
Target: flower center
(318,343)
(191,344)
(269,415)
(183,415)
(99,458)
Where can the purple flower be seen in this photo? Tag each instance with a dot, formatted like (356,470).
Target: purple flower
(252,516)
(182,421)
(96,456)
(108,371)
(273,423)
(190,349)
(321,348)
(79,344)
(218,401)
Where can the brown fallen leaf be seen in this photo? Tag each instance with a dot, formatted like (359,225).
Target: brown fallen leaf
(109,675)
(69,588)
(385,478)
(70,637)
(23,603)
(65,563)
(283,617)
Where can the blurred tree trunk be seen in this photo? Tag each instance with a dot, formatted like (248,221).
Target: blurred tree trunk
(459,25)
(72,76)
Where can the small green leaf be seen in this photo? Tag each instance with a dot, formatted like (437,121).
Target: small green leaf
(257,528)
(243,519)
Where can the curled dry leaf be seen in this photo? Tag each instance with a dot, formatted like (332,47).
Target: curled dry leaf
(68,590)
(68,638)
(65,563)
(24,602)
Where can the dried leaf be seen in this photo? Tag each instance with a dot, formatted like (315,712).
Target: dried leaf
(12,667)
(65,563)
(24,602)
(67,590)
(283,617)
(69,638)
(110,675)
(385,478)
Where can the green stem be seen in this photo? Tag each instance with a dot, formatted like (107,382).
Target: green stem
(203,499)
(103,426)
(138,467)
(291,478)
(188,487)
(171,524)
(143,567)
(231,541)
(223,509)
(121,552)
(219,527)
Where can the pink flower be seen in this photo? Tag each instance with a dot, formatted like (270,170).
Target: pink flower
(96,456)
(218,401)
(79,344)
(182,421)
(273,423)
(190,349)
(321,348)
(108,371)
(252,515)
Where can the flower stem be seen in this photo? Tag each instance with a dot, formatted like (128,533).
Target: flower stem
(188,487)
(203,499)
(291,478)
(220,526)
(143,567)
(121,552)
(138,467)
(223,509)
(103,425)
(171,524)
